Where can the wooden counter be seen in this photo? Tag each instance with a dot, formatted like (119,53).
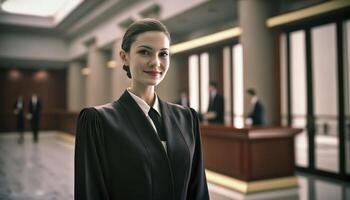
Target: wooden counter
(249,155)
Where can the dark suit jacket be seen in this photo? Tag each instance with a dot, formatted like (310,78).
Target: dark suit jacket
(19,115)
(35,111)
(119,156)
(217,106)
(257,114)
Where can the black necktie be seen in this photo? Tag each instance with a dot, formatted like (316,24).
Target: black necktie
(157,122)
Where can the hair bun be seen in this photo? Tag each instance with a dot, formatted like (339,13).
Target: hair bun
(127,69)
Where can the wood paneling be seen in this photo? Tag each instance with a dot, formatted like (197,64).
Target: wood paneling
(49,85)
(66,121)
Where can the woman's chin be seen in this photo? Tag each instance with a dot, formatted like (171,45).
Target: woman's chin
(151,82)
(154,82)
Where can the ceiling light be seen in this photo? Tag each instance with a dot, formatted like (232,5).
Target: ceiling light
(85,71)
(112,64)
(43,8)
(206,40)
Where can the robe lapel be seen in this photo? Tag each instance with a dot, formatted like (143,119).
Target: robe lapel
(178,150)
(140,122)
(161,173)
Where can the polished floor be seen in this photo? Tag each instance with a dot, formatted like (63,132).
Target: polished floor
(44,171)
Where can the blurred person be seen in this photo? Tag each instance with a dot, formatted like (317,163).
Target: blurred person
(215,114)
(140,147)
(19,112)
(34,115)
(256,115)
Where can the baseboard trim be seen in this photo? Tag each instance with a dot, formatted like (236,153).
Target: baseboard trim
(251,186)
(66,137)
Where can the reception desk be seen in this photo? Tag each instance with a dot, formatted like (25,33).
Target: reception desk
(249,160)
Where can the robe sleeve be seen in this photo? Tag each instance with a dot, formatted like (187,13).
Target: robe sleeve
(90,171)
(198,189)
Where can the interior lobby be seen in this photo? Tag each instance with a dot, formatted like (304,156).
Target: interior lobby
(292,57)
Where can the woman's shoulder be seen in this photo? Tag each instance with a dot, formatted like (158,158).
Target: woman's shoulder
(98,111)
(188,111)
(177,107)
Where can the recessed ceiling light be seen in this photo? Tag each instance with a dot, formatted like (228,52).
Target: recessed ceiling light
(43,8)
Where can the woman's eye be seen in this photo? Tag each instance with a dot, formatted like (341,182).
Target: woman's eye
(144,52)
(164,54)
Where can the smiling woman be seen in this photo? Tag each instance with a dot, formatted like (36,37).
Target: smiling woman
(150,63)
(140,147)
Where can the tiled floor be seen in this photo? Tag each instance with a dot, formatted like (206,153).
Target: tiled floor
(44,170)
(31,171)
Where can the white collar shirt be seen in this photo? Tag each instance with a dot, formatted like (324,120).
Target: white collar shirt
(145,109)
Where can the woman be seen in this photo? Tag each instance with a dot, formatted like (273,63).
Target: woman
(140,147)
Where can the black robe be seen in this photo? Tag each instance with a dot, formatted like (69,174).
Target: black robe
(118,155)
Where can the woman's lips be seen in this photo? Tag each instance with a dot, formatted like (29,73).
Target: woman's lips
(153,73)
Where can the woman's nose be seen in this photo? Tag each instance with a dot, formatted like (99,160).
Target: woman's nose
(155,61)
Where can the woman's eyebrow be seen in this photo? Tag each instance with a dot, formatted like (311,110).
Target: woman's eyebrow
(150,48)
(145,46)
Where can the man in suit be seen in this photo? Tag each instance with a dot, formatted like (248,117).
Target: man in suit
(256,115)
(215,114)
(34,115)
(19,112)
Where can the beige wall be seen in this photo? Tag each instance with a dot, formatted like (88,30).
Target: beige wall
(169,88)
(24,45)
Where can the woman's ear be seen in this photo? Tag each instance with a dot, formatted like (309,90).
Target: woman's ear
(124,56)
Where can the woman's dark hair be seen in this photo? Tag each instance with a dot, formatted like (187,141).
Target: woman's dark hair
(135,29)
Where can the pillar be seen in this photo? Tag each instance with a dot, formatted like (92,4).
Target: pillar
(75,87)
(119,79)
(259,70)
(97,82)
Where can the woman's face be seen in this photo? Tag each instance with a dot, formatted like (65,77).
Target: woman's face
(148,58)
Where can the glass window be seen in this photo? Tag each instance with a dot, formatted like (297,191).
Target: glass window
(238,86)
(193,74)
(204,59)
(325,95)
(298,94)
(347,93)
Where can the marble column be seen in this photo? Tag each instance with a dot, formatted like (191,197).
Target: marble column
(75,88)
(98,81)
(258,59)
(119,79)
